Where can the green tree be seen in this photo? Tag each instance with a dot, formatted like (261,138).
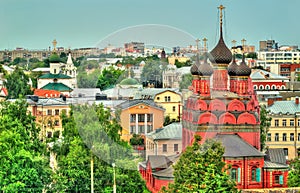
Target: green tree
(23,161)
(152,72)
(91,134)
(186,81)
(108,78)
(85,80)
(265,123)
(200,168)
(294,173)
(252,55)
(17,84)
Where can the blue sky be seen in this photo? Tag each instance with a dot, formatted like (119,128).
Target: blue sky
(33,24)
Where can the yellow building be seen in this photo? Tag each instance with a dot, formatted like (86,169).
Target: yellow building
(169,99)
(139,117)
(285,125)
(47,112)
(172,59)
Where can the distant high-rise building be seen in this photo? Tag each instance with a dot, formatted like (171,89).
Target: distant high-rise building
(137,47)
(268,45)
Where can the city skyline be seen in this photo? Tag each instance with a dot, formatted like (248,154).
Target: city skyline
(33,24)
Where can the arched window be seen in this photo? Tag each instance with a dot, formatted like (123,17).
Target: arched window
(282,87)
(255,174)
(273,87)
(261,87)
(255,87)
(235,174)
(267,87)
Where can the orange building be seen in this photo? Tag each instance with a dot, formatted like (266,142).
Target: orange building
(140,117)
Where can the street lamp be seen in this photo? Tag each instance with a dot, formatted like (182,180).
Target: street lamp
(115,186)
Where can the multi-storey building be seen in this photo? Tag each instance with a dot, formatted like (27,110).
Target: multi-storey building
(139,117)
(136,47)
(284,131)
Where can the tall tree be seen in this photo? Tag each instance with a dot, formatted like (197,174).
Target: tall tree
(17,84)
(294,173)
(265,123)
(200,168)
(23,161)
(152,72)
(186,81)
(92,139)
(109,77)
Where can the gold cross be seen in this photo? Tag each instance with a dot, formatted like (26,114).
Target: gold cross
(221,7)
(197,43)
(204,43)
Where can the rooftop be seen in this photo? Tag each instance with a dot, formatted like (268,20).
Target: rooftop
(172,131)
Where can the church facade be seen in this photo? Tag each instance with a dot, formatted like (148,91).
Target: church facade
(224,106)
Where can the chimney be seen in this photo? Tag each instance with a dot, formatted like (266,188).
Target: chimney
(297,100)
(270,101)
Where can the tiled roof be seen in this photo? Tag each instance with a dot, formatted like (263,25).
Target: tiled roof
(53,76)
(152,92)
(284,107)
(172,131)
(275,155)
(167,173)
(47,93)
(130,103)
(258,74)
(237,147)
(56,86)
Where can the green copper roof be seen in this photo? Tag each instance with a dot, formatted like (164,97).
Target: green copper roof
(57,86)
(53,76)
(172,131)
(129,81)
(284,107)
(54,58)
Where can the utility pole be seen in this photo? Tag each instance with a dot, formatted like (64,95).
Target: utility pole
(92,173)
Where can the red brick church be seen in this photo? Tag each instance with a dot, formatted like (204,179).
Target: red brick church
(224,106)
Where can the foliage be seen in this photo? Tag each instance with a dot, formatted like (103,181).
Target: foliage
(34,76)
(167,120)
(294,173)
(85,80)
(152,73)
(181,64)
(252,55)
(200,168)
(186,81)
(265,123)
(24,166)
(136,140)
(108,78)
(17,84)
(85,139)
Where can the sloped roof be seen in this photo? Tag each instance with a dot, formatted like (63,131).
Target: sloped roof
(57,86)
(53,76)
(158,161)
(166,173)
(47,93)
(237,147)
(268,164)
(275,155)
(152,92)
(284,107)
(258,74)
(123,92)
(172,131)
(86,92)
(135,102)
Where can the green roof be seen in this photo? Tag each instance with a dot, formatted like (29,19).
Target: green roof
(284,107)
(129,81)
(56,86)
(172,131)
(53,76)
(54,58)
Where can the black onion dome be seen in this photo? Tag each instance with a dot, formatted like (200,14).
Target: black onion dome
(205,69)
(221,54)
(195,66)
(243,69)
(232,67)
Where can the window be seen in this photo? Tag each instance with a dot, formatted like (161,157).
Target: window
(141,129)
(284,137)
(174,108)
(291,136)
(233,174)
(269,137)
(141,117)
(167,98)
(149,118)
(278,179)
(284,122)
(165,146)
(253,174)
(56,111)
(175,147)
(49,134)
(132,129)
(276,137)
(276,122)
(298,122)
(286,151)
(157,98)
(298,136)
(49,112)
(56,122)
(292,123)
(132,118)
